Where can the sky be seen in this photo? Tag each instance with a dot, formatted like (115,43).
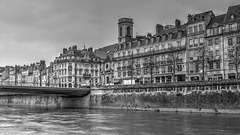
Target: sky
(34,30)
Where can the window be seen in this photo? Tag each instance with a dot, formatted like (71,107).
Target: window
(195,29)
(169,69)
(210,53)
(201,40)
(119,74)
(163,46)
(216,31)
(129,52)
(200,27)
(163,69)
(218,64)
(129,73)
(138,51)
(231,66)
(230,27)
(123,53)
(217,41)
(179,68)
(138,72)
(217,52)
(238,40)
(120,31)
(145,49)
(128,31)
(238,25)
(145,71)
(124,74)
(210,65)
(190,30)
(191,42)
(196,67)
(230,41)
(195,41)
(210,42)
(178,43)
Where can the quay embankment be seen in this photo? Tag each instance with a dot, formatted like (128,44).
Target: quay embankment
(201,99)
(45,101)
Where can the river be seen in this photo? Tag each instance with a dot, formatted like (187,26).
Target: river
(26,120)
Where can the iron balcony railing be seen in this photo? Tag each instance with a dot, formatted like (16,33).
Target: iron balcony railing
(154,52)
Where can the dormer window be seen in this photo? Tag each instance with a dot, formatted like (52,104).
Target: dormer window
(170,35)
(179,34)
(127,45)
(232,16)
(149,41)
(160,38)
(152,39)
(139,42)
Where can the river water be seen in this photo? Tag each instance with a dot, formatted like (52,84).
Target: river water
(25,120)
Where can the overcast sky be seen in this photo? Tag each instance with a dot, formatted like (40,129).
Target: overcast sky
(31,30)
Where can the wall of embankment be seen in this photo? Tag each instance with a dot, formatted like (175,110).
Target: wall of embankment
(48,101)
(214,101)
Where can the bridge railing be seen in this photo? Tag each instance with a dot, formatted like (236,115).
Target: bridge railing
(216,85)
(13,83)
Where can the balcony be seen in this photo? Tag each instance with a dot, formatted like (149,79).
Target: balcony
(86,76)
(231,30)
(145,64)
(149,53)
(124,67)
(214,58)
(129,67)
(138,66)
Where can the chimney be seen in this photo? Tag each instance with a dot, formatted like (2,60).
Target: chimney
(74,48)
(90,49)
(159,28)
(189,17)
(64,50)
(177,23)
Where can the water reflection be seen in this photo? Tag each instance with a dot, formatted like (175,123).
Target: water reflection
(22,120)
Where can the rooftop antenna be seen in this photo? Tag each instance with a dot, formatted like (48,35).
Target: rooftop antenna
(84,44)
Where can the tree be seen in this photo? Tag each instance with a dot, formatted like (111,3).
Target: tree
(233,57)
(203,57)
(149,65)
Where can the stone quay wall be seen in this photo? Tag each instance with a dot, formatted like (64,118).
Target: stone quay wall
(209,101)
(48,101)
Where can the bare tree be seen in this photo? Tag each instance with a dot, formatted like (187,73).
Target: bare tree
(233,57)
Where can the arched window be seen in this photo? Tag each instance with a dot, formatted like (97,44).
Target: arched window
(107,79)
(128,31)
(120,31)
(70,85)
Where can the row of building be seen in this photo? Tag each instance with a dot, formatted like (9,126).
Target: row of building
(205,47)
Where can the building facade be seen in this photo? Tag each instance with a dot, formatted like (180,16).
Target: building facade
(75,68)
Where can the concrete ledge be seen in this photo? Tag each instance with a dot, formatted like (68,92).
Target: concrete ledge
(183,110)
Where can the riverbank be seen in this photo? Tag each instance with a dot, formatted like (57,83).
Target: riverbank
(217,102)
(182,110)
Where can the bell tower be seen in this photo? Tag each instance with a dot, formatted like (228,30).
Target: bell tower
(125,29)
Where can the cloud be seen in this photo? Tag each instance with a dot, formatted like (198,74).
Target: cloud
(31,30)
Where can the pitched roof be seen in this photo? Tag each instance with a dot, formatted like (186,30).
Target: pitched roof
(216,20)
(106,51)
(198,17)
(232,10)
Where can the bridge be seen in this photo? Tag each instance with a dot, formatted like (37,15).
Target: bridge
(31,90)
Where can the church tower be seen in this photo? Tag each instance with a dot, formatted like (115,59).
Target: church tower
(125,29)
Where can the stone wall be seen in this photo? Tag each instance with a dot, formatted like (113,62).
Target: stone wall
(225,99)
(45,101)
